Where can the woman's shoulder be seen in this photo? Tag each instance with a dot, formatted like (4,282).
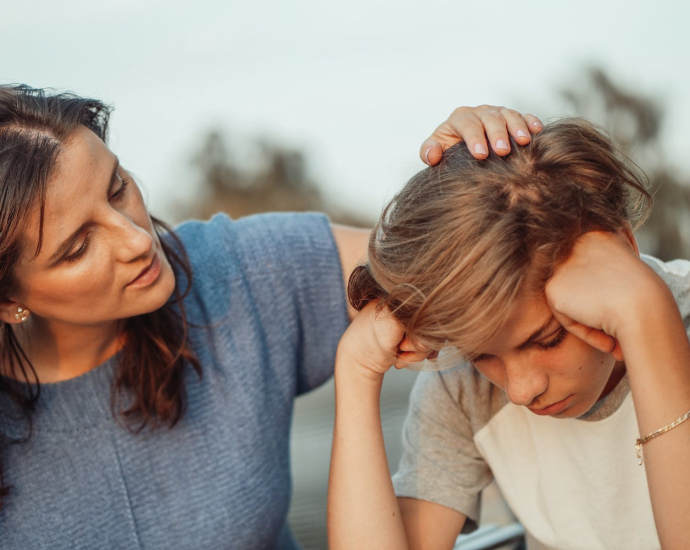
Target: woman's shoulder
(282,268)
(258,242)
(269,280)
(207,245)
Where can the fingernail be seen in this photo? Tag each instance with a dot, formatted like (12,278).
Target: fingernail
(522,133)
(426,155)
(502,144)
(480,149)
(537,124)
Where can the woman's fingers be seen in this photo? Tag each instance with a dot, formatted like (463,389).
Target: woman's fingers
(474,125)
(533,123)
(431,152)
(496,127)
(519,125)
(462,125)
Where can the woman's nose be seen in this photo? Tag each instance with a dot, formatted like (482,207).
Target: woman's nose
(524,383)
(133,240)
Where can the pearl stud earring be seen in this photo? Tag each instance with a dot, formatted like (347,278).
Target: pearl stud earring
(22,314)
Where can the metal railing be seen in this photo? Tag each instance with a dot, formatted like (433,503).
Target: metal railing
(492,537)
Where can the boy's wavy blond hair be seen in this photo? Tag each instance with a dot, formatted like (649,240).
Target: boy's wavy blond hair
(461,241)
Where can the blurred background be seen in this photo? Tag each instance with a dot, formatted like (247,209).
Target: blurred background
(307,105)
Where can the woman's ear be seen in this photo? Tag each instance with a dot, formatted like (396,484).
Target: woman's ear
(13,313)
(627,234)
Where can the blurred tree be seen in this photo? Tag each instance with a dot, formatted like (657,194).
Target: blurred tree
(636,121)
(276,179)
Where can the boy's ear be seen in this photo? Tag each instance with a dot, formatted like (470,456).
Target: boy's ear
(13,313)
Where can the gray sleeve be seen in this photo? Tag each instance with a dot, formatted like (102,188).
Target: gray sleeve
(440,462)
(676,274)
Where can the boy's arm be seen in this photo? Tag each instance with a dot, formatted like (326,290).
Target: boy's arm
(363,511)
(430,526)
(605,291)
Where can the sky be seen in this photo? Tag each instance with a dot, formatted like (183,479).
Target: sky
(357,85)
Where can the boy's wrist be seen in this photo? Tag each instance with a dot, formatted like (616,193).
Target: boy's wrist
(364,360)
(653,309)
(349,368)
(630,301)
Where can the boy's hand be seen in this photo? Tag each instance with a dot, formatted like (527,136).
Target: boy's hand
(600,287)
(375,342)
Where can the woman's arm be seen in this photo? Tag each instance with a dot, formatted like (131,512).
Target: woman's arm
(604,285)
(352,245)
(363,511)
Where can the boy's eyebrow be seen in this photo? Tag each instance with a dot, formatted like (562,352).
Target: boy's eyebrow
(537,333)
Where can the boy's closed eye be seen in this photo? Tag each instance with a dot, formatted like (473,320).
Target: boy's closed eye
(552,341)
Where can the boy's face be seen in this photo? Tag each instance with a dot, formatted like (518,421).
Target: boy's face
(543,367)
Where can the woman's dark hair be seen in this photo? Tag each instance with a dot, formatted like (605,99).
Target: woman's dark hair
(34,127)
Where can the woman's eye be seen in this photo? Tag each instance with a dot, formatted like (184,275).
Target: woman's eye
(477,358)
(556,340)
(80,252)
(121,191)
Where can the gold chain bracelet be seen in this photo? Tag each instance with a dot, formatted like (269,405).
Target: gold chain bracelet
(642,440)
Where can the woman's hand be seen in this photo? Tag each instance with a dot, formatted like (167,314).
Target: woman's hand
(375,342)
(473,125)
(600,287)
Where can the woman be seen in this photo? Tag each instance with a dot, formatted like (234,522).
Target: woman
(577,354)
(149,375)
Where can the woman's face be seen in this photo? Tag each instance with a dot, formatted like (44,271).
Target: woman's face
(100,259)
(543,367)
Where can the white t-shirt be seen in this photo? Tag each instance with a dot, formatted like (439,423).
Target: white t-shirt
(572,483)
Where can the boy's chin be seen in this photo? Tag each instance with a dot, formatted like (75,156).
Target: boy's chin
(580,409)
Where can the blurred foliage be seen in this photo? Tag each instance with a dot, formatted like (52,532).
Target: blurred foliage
(276,178)
(273,179)
(636,122)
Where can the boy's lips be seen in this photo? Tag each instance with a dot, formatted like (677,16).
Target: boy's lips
(554,408)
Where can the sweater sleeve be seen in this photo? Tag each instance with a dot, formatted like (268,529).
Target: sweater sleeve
(293,272)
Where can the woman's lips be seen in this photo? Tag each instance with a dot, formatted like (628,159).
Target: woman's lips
(554,408)
(148,275)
